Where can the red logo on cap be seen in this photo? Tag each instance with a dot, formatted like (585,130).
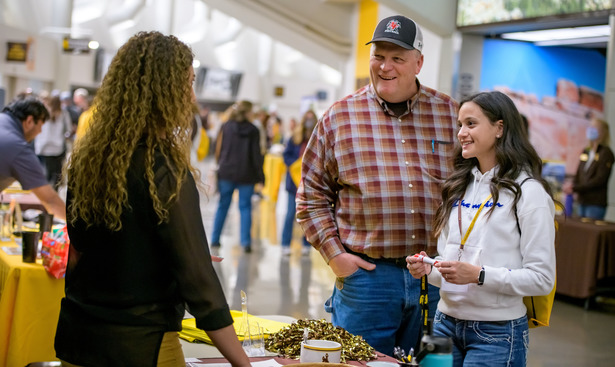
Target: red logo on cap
(393,26)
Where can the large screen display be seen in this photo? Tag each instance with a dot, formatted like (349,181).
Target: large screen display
(483,12)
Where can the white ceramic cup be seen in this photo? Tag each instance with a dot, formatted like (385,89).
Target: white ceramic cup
(316,350)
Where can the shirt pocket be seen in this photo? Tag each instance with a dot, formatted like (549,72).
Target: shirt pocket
(436,157)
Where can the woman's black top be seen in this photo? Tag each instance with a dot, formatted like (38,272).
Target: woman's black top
(125,289)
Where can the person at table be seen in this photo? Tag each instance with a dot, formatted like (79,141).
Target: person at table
(20,122)
(293,151)
(240,167)
(139,256)
(506,212)
(591,181)
(51,144)
(370,183)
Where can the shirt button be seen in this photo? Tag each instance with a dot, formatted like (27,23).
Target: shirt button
(410,185)
(407,163)
(403,141)
(413,236)
(412,211)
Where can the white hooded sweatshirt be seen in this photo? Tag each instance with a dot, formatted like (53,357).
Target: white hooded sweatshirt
(516,264)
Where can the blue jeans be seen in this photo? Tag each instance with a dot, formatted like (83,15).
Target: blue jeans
(289,221)
(592,211)
(382,306)
(226,189)
(485,343)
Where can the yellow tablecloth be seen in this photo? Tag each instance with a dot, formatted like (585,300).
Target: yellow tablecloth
(191,333)
(29,310)
(274,170)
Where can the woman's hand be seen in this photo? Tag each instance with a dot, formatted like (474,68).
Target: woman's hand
(416,266)
(458,272)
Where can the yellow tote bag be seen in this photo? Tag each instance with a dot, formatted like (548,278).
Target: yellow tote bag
(539,309)
(295,171)
(203,149)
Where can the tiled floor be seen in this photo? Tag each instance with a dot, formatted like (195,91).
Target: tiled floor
(298,285)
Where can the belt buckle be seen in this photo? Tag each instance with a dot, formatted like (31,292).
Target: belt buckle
(401,262)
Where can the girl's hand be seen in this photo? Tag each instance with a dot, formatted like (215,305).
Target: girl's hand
(417,267)
(458,272)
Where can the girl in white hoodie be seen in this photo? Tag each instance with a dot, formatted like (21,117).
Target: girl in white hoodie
(508,251)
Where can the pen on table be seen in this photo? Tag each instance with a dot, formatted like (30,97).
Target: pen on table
(433,146)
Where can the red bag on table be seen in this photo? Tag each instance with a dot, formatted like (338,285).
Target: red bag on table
(54,252)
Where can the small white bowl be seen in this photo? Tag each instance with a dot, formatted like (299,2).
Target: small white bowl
(382,364)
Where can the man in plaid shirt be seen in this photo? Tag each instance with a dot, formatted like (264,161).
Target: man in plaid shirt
(370,186)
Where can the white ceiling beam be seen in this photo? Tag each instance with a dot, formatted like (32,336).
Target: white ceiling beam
(276,23)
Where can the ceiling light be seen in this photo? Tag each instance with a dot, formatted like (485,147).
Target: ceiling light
(93,45)
(566,35)
(574,41)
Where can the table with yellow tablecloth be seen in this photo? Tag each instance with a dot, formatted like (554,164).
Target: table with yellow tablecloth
(29,310)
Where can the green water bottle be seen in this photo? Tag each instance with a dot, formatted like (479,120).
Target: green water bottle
(436,351)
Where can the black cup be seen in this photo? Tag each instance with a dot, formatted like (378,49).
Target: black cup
(45,220)
(29,246)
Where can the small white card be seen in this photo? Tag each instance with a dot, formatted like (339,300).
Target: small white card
(199,363)
(12,250)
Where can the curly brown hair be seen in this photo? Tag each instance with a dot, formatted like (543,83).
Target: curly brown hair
(146,96)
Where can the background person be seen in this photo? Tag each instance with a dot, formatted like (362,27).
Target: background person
(260,121)
(67,103)
(591,181)
(81,99)
(510,251)
(370,185)
(295,146)
(139,254)
(51,144)
(240,167)
(20,123)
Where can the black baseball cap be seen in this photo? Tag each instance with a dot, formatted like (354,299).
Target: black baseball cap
(401,31)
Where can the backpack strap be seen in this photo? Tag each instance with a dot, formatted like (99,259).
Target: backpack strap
(516,215)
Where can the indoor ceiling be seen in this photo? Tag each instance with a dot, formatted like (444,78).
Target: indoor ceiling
(313,24)
(322,29)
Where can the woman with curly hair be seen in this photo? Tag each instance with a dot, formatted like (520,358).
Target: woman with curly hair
(509,251)
(139,254)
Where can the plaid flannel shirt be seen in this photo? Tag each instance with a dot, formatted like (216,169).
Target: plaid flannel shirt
(370,181)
